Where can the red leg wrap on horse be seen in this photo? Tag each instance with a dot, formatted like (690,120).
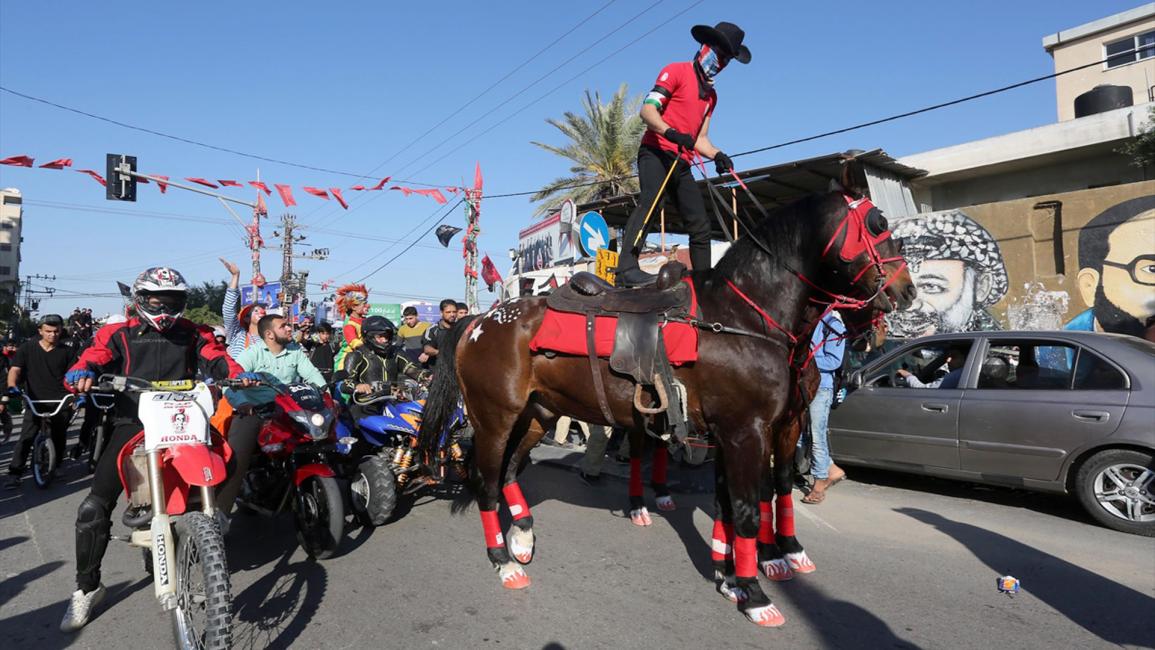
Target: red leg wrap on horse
(518,508)
(746,557)
(784,515)
(765,523)
(492,528)
(635,477)
(721,543)
(661,461)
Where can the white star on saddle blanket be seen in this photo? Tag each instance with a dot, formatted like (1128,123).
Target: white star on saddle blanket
(476,333)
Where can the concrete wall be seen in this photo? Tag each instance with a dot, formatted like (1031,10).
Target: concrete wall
(1139,75)
(1000,265)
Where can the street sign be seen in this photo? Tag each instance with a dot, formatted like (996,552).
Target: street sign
(593,233)
(607,264)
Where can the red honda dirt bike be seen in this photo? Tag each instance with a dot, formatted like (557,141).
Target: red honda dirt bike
(169,471)
(299,462)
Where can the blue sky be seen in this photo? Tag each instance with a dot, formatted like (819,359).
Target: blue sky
(346,86)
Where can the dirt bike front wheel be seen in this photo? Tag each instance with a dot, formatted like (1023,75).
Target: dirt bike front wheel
(203,617)
(319,509)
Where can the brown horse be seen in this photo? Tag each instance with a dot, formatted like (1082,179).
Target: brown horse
(760,296)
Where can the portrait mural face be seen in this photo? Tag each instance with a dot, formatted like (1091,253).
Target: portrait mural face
(1117,269)
(958,270)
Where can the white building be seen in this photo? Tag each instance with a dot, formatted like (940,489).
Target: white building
(11,212)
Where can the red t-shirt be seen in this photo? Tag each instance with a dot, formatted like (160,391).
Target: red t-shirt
(684,109)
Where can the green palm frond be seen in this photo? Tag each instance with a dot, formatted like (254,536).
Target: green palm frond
(602,144)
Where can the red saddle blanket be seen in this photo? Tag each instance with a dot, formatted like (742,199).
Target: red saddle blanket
(565,333)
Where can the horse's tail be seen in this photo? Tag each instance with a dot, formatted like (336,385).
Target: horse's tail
(444,391)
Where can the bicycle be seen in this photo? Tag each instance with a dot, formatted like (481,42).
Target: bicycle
(45,458)
(103,433)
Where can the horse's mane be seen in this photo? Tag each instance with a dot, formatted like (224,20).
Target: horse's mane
(788,233)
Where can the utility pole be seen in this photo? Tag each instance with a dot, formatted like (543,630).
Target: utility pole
(473,219)
(31,300)
(254,231)
(293,285)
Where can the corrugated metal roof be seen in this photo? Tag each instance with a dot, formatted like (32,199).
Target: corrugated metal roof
(774,186)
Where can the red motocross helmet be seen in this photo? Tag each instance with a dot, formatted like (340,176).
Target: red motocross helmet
(171,290)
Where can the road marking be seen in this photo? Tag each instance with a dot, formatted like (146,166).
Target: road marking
(815,519)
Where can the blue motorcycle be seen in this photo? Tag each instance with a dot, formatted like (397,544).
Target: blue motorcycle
(386,448)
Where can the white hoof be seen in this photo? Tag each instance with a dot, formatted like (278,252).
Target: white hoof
(641,517)
(728,586)
(800,562)
(767,616)
(666,503)
(777,570)
(513,576)
(520,544)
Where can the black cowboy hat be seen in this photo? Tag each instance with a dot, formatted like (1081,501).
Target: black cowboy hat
(724,37)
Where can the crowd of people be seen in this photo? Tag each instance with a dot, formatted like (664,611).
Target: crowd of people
(154,342)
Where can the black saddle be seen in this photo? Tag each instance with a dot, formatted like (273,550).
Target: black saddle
(639,351)
(586,292)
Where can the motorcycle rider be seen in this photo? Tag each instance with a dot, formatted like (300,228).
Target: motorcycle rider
(378,360)
(277,355)
(155,344)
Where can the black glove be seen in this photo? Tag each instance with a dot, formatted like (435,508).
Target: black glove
(723,164)
(683,140)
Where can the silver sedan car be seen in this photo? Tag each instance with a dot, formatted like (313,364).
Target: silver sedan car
(1067,412)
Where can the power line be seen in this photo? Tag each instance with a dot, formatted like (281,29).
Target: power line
(533,57)
(855,127)
(562,84)
(537,81)
(337,214)
(196,142)
(414,242)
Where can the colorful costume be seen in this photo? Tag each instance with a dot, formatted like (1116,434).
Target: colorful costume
(349,297)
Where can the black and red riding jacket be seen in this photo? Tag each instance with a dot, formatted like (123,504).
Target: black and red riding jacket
(185,351)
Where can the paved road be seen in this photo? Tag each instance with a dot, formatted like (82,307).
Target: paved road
(903,562)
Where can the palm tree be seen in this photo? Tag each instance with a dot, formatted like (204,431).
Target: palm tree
(603,145)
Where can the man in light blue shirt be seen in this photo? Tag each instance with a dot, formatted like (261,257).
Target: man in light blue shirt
(278,355)
(828,343)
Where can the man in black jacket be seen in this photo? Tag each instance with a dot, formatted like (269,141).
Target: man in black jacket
(156,344)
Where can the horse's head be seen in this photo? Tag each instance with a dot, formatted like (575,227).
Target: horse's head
(865,263)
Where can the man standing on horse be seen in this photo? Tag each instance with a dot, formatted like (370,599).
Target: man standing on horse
(677,116)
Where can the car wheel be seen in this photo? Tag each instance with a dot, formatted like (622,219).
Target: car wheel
(1117,488)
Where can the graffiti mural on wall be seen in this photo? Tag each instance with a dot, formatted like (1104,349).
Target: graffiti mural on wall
(1078,260)
(1116,274)
(958,269)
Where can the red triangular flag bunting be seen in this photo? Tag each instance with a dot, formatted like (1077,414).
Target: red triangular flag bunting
(286,193)
(201,181)
(381,185)
(160,182)
(317,192)
(59,163)
(230,184)
(340,199)
(359,188)
(261,186)
(18,161)
(477,179)
(97,177)
(261,207)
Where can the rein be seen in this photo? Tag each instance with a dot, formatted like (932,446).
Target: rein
(855,219)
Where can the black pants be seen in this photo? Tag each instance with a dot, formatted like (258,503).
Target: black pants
(6,423)
(59,427)
(94,518)
(653,165)
(243,432)
(92,417)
